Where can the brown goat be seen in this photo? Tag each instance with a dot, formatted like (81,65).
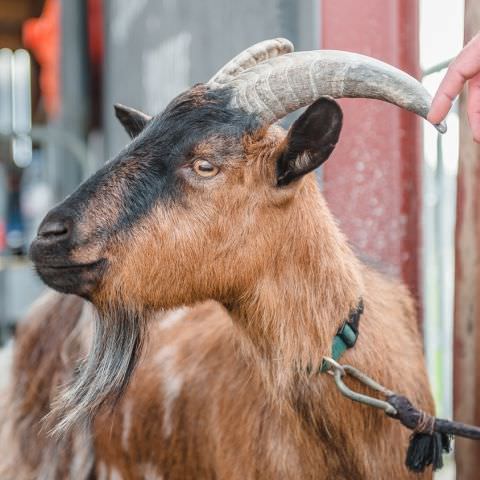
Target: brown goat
(211,202)
(165,404)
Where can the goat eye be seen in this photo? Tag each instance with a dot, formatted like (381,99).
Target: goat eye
(204,168)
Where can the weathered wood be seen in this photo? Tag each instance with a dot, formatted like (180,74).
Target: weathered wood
(467,281)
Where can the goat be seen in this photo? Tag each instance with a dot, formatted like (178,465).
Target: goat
(211,200)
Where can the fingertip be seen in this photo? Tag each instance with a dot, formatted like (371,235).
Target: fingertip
(441,105)
(436,114)
(432,117)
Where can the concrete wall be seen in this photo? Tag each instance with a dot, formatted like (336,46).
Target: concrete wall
(156,49)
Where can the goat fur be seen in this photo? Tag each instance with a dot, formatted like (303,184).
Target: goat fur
(226,391)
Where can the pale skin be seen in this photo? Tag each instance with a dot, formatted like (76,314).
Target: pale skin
(464,69)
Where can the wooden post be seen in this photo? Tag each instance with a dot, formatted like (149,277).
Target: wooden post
(467,282)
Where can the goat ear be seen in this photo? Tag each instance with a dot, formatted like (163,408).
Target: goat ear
(310,140)
(133,121)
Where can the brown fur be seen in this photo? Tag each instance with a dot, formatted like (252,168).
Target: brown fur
(169,424)
(228,423)
(225,393)
(49,342)
(287,285)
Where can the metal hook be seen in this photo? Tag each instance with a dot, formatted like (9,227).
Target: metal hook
(340,371)
(333,366)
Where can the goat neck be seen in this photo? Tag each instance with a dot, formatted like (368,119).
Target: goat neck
(294,308)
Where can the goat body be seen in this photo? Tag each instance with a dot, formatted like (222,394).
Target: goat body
(212,201)
(198,405)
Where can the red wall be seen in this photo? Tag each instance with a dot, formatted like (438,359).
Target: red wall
(372,182)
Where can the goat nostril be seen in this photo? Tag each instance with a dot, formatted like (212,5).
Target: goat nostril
(53,229)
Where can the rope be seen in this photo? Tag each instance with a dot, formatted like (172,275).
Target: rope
(426,424)
(431,436)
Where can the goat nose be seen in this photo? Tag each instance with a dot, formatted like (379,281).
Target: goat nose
(54,230)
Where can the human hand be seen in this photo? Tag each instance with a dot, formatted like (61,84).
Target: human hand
(465,68)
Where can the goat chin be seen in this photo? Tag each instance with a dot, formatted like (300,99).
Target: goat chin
(101,378)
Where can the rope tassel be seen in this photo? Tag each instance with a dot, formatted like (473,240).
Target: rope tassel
(426,449)
(431,436)
(426,445)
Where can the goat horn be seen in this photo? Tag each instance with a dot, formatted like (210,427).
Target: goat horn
(281,85)
(250,57)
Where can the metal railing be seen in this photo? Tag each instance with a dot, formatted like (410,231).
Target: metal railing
(439,200)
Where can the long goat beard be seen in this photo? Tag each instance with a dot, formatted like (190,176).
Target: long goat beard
(101,378)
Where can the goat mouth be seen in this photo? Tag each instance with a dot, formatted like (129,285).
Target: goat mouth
(68,277)
(67,266)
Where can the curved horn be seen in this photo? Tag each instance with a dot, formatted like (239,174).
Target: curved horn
(280,85)
(250,57)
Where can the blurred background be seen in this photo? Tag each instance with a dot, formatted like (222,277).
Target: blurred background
(392,182)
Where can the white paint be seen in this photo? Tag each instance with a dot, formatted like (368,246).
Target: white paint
(127,422)
(172,318)
(172,384)
(166,71)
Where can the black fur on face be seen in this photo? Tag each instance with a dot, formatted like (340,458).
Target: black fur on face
(124,191)
(167,143)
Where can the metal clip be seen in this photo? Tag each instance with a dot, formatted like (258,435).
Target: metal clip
(338,371)
(333,366)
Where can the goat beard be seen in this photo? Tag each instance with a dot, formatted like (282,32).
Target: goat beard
(100,379)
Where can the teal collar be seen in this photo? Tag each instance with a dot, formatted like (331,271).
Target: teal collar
(346,336)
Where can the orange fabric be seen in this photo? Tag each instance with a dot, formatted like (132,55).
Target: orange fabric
(42,37)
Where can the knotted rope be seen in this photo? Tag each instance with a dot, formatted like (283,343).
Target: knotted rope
(431,436)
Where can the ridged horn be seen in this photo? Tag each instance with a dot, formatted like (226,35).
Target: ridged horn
(250,57)
(280,85)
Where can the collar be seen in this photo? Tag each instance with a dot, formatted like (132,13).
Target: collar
(346,335)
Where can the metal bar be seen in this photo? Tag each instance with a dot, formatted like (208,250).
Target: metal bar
(62,138)
(360,398)
(437,68)
(366,380)
(339,371)
(75,92)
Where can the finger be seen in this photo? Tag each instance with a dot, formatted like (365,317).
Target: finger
(450,87)
(463,68)
(473,106)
